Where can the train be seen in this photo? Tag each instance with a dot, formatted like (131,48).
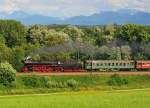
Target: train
(88,65)
(52,66)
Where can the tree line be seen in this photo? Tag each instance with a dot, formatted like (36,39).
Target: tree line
(66,42)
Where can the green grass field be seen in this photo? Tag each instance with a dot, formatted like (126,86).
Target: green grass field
(112,99)
(85,83)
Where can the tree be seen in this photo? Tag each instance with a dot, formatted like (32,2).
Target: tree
(103,53)
(143,52)
(30,49)
(54,38)
(115,53)
(7,74)
(18,54)
(85,48)
(37,34)
(132,32)
(74,32)
(5,53)
(2,39)
(104,35)
(14,32)
(126,52)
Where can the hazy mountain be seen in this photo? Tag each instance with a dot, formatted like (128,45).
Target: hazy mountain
(105,17)
(3,15)
(117,17)
(38,19)
(26,18)
(17,15)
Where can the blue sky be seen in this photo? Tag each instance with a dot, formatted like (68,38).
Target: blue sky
(69,8)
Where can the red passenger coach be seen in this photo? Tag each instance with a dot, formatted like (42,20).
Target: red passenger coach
(143,64)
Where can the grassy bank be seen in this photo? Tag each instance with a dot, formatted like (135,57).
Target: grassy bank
(37,84)
(114,99)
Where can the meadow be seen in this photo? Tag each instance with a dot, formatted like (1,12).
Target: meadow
(53,84)
(91,99)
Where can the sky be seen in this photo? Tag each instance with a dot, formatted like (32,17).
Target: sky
(69,8)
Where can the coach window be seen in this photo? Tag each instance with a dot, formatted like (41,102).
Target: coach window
(131,64)
(112,64)
(116,64)
(124,64)
(93,64)
(120,64)
(89,64)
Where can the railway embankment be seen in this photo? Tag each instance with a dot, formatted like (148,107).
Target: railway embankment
(36,84)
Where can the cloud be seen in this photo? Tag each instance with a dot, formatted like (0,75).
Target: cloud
(143,5)
(69,8)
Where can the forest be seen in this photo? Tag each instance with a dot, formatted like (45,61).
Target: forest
(67,42)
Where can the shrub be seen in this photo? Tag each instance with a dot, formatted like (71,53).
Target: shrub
(7,74)
(116,80)
(35,81)
(72,83)
(52,84)
(61,85)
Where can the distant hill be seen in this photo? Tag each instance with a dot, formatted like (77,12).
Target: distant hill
(105,17)
(118,17)
(29,19)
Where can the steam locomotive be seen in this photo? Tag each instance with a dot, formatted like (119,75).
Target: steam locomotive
(52,66)
(88,65)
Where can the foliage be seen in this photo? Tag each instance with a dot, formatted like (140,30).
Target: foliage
(106,42)
(36,34)
(44,36)
(18,55)
(35,81)
(52,84)
(59,83)
(54,38)
(72,83)
(115,53)
(132,32)
(5,53)
(56,84)
(117,80)
(126,52)
(7,74)
(14,32)
(44,82)
(74,32)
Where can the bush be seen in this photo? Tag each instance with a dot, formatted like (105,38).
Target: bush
(117,80)
(35,81)
(52,84)
(67,84)
(72,83)
(7,74)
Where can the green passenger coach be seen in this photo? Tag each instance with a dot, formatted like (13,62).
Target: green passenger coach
(109,64)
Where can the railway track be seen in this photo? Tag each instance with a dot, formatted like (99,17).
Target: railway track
(85,73)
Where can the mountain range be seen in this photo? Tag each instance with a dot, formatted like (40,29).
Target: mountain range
(104,17)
